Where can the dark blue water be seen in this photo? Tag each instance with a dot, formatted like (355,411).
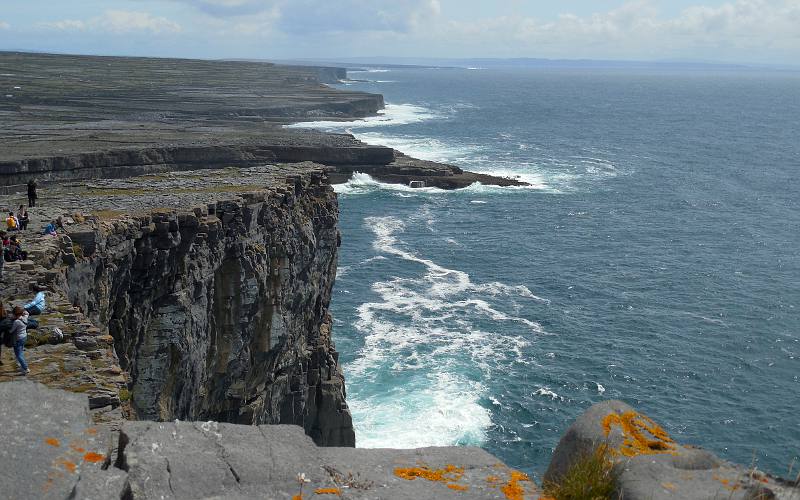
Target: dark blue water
(655,260)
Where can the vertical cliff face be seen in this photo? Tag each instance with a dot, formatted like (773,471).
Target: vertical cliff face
(220,312)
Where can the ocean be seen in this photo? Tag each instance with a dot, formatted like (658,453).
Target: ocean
(654,259)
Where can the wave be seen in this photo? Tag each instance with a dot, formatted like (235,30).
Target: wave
(362,184)
(392,115)
(422,334)
(424,148)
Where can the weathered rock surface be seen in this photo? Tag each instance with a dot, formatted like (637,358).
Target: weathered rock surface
(652,466)
(55,453)
(50,448)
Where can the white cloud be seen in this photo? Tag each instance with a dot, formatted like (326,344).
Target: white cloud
(4,25)
(325,16)
(637,29)
(118,22)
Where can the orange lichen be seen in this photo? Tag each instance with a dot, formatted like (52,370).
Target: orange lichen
(328,491)
(53,442)
(513,490)
(77,449)
(669,486)
(94,457)
(449,473)
(727,483)
(493,480)
(298,497)
(638,430)
(91,431)
(458,487)
(70,466)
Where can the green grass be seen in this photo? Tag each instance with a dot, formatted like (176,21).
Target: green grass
(590,477)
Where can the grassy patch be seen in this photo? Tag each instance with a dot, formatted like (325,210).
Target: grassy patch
(77,250)
(590,477)
(240,188)
(119,192)
(106,215)
(124,395)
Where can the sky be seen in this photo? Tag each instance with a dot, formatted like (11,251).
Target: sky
(737,31)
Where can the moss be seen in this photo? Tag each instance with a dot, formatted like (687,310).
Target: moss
(77,250)
(591,476)
(37,337)
(124,395)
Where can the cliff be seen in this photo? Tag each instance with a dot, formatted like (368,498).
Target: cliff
(211,289)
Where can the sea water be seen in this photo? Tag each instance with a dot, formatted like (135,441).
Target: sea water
(653,259)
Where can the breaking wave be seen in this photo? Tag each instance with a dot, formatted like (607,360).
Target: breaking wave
(425,336)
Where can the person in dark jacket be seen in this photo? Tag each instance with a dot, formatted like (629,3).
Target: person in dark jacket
(5,330)
(32,195)
(23,218)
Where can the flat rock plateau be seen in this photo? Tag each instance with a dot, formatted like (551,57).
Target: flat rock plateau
(78,117)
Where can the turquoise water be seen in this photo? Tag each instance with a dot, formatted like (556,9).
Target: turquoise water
(654,260)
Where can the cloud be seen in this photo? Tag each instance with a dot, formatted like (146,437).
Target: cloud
(4,25)
(637,29)
(325,16)
(117,22)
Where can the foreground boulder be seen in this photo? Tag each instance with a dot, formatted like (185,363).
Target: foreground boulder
(651,466)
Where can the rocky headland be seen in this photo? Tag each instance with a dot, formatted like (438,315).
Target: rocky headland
(191,278)
(79,117)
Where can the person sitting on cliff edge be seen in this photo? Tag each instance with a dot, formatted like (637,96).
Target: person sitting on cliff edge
(11,222)
(50,229)
(32,195)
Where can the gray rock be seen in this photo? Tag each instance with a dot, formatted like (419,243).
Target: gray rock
(211,460)
(651,466)
(49,447)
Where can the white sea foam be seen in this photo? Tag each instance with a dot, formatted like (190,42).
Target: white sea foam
(544,391)
(393,114)
(447,410)
(426,330)
(361,183)
(423,148)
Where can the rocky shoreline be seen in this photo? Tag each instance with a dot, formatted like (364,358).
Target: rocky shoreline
(82,117)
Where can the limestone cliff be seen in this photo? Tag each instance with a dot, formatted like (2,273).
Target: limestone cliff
(215,287)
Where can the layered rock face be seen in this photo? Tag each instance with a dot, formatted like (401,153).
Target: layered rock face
(214,286)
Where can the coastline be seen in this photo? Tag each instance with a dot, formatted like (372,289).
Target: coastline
(147,116)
